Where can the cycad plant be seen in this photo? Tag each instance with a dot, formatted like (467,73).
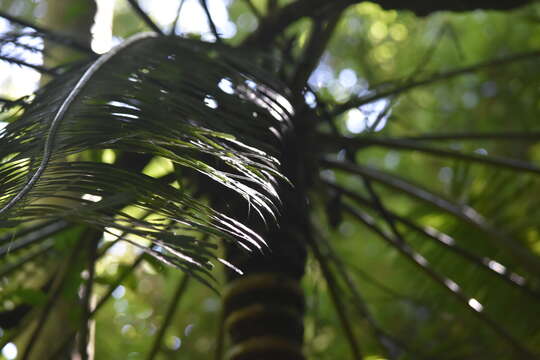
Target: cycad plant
(200,154)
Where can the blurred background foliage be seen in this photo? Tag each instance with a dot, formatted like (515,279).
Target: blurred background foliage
(371,49)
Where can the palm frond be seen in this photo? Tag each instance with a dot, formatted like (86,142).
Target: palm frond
(409,145)
(444,240)
(181,100)
(462,212)
(452,288)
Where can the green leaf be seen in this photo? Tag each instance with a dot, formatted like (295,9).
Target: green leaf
(158,97)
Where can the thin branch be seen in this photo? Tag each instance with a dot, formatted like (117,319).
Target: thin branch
(397,235)
(380,207)
(172,31)
(119,280)
(210,21)
(39,68)
(402,87)
(321,34)
(451,287)
(382,114)
(337,300)
(51,35)
(14,39)
(169,315)
(408,145)
(446,241)
(463,212)
(381,335)
(144,17)
(279,19)
(485,263)
(7,104)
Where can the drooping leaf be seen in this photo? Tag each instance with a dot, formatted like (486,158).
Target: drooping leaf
(199,106)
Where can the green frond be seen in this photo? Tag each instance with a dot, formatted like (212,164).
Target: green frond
(199,106)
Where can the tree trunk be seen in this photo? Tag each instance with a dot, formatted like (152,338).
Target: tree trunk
(73,18)
(264,307)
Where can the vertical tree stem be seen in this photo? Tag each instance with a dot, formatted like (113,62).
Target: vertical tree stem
(168,316)
(92,240)
(60,278)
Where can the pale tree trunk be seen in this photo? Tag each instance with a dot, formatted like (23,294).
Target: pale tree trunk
(46,335)
(71,17)
(74,18)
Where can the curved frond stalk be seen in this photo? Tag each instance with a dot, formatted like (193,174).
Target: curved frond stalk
(217,115)
(409,145)
(450,286)
(493,136)
(465,213)
(59,116)
(444,240)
